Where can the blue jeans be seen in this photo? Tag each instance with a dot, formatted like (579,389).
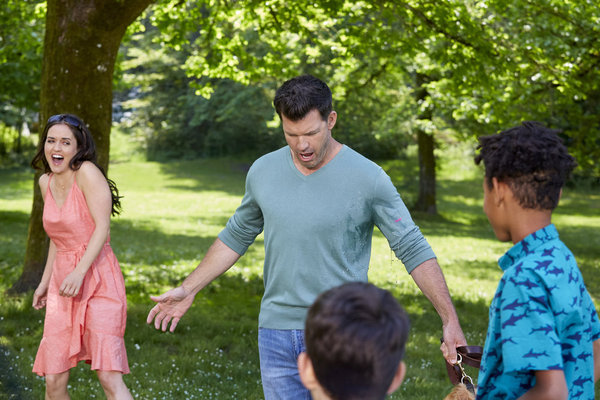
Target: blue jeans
(278,351)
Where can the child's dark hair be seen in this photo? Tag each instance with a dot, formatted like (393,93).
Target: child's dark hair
(86,151)
(302,94)
(531,159)
(355,336)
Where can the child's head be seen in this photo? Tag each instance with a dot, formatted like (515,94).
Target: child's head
(355,336)
(531,159)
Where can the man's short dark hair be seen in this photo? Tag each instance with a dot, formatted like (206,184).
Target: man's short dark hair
(531,159)
(355,336)
(302,94)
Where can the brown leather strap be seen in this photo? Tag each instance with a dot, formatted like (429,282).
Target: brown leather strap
(469,355)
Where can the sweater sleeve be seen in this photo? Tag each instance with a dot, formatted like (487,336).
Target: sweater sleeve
(393,220)
(245,224)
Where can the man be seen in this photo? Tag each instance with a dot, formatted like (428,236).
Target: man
(317,201)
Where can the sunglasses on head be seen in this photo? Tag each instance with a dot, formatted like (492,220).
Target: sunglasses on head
(65,118)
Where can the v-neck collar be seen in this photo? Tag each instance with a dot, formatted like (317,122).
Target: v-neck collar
(66,198)
(293,166)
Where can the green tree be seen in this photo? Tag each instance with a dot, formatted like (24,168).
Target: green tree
(81,42)
(21,32)
(161,102)
(487,65)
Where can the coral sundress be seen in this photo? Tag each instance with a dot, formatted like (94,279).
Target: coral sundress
(91,325)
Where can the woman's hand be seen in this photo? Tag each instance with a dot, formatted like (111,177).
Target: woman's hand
(39,297)
(71,284)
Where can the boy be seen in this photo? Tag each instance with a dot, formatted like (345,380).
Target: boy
(355,335)
(543,333)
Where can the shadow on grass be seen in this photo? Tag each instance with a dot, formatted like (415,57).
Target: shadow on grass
(13,235)
(209,175)
(147,244)
(16,183)
(213,350)
(11,383)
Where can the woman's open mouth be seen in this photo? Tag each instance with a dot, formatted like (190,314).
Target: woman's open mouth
(57,159)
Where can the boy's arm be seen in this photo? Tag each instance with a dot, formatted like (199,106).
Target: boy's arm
(549,385)
(596,360)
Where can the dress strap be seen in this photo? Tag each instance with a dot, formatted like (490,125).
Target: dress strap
(50,175)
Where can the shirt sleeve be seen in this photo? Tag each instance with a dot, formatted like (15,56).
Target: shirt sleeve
(530,340)
(393,219)
(246,223)
(593,316)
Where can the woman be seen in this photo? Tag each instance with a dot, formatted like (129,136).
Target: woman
(82,286)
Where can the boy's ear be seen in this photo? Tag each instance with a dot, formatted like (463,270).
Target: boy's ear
(498,190)
(398,378)
(307,372)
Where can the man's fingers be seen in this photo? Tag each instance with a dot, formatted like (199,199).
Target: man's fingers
(157,299)
(151,314)
(174,323)
(165,323)
(158,319)
(451,357)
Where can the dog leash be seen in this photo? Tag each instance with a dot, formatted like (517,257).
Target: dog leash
(469,355)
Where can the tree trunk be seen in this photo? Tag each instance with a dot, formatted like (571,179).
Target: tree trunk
(80,48)
(426,201)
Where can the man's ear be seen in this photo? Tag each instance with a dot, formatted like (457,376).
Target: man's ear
(398,378)
(331,119)
(306,371)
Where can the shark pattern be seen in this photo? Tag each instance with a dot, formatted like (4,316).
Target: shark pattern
(542,315)
(531,354)
(547,329)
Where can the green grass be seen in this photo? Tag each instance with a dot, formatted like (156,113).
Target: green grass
(173,212)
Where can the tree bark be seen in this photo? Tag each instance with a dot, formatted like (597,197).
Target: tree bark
(426,201)
(81,43)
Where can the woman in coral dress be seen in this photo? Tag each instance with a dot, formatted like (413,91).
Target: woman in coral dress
(82,286)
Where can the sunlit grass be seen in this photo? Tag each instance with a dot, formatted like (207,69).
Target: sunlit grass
(171,214)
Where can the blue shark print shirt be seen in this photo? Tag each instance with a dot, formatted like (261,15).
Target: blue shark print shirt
(541,318)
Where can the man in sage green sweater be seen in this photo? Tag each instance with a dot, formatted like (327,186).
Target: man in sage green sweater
(317,201)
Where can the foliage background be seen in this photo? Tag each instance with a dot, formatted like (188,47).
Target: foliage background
(451,69)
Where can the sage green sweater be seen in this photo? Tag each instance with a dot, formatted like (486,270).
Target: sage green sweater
(318,228)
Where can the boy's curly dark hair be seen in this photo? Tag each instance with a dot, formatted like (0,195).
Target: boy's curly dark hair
(531,159)
(355,336)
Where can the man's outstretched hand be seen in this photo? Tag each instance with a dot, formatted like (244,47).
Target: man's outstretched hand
(170,308)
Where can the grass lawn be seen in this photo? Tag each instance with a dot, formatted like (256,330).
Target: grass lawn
(173,212)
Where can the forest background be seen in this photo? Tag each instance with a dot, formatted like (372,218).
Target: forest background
(178,82)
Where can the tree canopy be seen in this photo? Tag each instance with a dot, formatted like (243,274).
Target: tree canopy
(487,64)
(399,70)
(21,42)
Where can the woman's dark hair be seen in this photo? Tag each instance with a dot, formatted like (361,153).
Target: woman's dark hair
(86,151)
